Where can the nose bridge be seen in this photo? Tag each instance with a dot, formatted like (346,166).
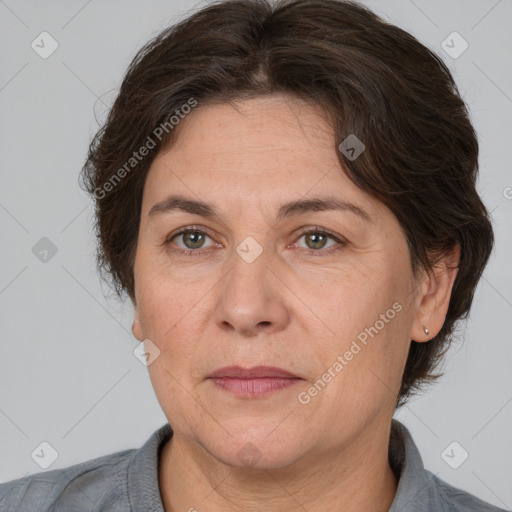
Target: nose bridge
(251,298)
(248,279)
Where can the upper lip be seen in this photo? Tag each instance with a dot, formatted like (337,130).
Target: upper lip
(256,372)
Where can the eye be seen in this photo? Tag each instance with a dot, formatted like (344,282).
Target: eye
(190,241)
(316,241)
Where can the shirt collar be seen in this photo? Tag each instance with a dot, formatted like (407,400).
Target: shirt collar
(143,489)
(414,482)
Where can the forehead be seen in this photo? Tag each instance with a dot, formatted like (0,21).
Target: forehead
(266,148)
(256,123)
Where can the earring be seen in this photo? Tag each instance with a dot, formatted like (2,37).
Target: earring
(425,330)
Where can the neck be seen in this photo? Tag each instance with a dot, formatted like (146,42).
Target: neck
(356,478)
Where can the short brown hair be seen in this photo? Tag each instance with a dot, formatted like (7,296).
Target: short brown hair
(371,78)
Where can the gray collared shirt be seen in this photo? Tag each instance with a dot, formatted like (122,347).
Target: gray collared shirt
(127,481)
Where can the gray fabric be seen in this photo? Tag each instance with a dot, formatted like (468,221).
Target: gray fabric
(127,481)
(420,490)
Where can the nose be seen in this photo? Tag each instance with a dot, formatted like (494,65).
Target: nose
(252,299)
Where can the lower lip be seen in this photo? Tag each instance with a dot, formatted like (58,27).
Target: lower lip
(253,388)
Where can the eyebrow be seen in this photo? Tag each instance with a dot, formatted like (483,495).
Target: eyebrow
(301,206)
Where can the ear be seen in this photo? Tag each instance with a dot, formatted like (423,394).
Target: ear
(434,297)
(136,327)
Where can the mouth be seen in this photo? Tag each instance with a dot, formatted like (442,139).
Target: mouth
(253,382)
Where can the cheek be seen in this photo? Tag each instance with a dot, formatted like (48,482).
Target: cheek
(350,299)
(174,316)
(168,289)
(177,399)
(164,303)
(368,315)
(170,324)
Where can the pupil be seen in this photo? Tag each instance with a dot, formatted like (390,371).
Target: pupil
(317,236)
(189,237)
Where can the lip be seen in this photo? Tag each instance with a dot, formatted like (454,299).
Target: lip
(253,382)
(256,372)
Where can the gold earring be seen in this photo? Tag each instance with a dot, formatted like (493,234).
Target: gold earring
(425,330)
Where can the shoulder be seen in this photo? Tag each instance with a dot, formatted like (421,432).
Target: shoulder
(80,487)
(119,482)
(457,500)
(421,490)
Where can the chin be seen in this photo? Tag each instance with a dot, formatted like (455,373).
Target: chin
(255,447)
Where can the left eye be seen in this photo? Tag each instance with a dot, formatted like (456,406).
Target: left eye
(316,239)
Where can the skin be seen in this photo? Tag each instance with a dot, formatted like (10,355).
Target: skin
(288,308)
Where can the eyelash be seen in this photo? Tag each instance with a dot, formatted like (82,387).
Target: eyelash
(309,252)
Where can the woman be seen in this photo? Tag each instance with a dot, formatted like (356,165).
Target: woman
(287,195)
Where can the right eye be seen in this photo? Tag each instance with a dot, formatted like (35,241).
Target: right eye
(192,240)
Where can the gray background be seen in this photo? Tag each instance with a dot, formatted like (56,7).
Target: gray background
(68,373)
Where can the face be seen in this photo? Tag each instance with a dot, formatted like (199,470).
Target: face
(325,293)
